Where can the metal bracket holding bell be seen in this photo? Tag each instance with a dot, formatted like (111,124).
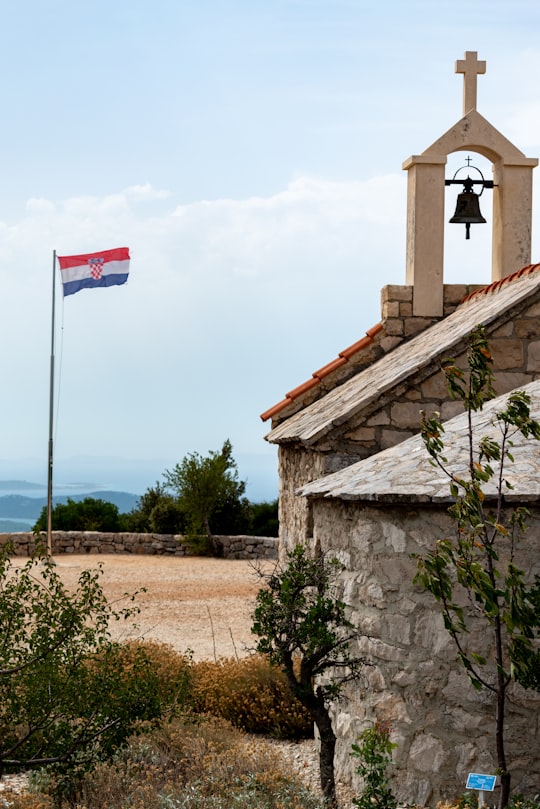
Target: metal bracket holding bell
(468,203)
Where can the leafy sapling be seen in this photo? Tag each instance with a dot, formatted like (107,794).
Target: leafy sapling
(479,566)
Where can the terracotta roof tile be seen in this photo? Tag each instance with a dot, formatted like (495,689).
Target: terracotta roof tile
(496,285)
(356,347)
(374,330)
(343,357)
(303,388)
(331,366)
(275,409)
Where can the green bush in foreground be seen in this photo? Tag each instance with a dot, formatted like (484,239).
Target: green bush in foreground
(65,693)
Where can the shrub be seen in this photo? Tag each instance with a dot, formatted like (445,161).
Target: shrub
(375,753)
(89,514)
(252,694)
(193,765)
(168,678)
(62,689)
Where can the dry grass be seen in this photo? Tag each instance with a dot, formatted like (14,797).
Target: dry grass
(252,695)
(190,765)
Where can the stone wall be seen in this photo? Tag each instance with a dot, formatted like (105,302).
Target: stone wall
(397,308)
(395,415)
(443,727)
(80,542)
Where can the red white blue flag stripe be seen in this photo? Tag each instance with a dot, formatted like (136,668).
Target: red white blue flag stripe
(106,269)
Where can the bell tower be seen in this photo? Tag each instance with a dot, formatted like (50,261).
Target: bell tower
(512,198)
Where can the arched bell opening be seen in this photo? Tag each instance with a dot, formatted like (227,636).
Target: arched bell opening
(468,261)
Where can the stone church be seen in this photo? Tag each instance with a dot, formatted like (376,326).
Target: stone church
(355,479)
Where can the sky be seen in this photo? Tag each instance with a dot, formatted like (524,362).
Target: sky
(249,153)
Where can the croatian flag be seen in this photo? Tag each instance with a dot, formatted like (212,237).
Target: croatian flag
(106,269)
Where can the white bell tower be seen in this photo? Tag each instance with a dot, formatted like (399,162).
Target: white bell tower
(512,198)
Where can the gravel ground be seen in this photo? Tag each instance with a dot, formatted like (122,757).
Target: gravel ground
(201,604)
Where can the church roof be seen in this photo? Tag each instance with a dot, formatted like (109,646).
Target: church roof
(485,306)
(317,377)
(404,473)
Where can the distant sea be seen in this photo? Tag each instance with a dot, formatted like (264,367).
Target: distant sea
(22,501)
(85,474)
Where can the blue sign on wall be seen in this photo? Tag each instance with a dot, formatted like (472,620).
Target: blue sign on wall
(476,780)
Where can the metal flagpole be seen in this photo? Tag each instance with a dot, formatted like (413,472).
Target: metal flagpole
(51,421)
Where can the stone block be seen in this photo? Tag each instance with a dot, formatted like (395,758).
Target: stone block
(507,354)
(406,415)
(405,309)
(506,330)
(389,438)
(534,310)
(388,343)
(396,292)
(394,327)
(450,409)
(434,387)
(382,417)
(399,629)
(533,357)
(390,309)
(361,434)
(414,325)
(506,381)
(454,293)
(426,753)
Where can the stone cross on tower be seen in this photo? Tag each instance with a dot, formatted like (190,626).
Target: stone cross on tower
(512,199)
(471,69)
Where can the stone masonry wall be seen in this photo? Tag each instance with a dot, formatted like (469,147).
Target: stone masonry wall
(80,542)
(296,464)
(397,308)
(395,416)
(443,727)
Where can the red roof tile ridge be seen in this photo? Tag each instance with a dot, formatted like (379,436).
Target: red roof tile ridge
(496,285)
(342,358)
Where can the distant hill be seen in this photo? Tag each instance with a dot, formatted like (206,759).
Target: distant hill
(21,507)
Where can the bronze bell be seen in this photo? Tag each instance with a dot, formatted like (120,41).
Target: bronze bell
(468,209)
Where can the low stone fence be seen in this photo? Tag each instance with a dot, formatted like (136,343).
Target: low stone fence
(80,542)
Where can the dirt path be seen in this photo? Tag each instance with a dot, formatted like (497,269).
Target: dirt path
(198,603)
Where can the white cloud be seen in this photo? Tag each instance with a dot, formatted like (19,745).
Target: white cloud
(146,192)
(222,312)
(40,205)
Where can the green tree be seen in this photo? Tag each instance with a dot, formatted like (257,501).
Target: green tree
(303,628)
(68,694)
(157,512)
(263,519)
(206,487)
(479,566)
(89,514)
